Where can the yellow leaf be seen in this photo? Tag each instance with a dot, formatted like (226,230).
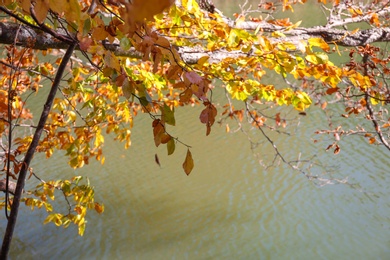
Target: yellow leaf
(188,164)
(278,34)
(319,42)
(295,25)
(203,60)
(82,229)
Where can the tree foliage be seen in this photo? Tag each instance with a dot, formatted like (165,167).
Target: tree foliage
(125,58)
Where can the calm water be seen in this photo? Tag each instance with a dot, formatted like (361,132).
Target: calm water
(228,208)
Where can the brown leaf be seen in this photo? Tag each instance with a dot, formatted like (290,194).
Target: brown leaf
(192,77)
(330,91)
(157,160)
(207,116)
(188,164)
(41,8)
(158,131)
(185,96)
(165,138)
(330,146)
(277,119)
(336,150)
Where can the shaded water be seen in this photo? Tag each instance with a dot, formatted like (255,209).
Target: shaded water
(228,208)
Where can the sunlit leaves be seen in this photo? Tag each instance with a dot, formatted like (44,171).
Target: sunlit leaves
(317,58)
(83,200)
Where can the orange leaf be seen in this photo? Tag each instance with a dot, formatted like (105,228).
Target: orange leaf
(386,125)
(140,10)
(277,119)
(375,20)
(99,208)
(330,91)
(41,8)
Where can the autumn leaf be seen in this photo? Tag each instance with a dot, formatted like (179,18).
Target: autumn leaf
(158,131)
(375,20)
(192,77)
(70,8)
(171,146)
(319,42)
(168,115)
(41,8)
(157,160)
(337,149)
(140,10)
(99,208)
(207,116)
(185,96)
(330,91)
(188,164)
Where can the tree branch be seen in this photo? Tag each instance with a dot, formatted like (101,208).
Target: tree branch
(29,37)
(30,153)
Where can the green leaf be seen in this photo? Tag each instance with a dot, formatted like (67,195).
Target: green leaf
(168,115)
(171,146)
(125,43)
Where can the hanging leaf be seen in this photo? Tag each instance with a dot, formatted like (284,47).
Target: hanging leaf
(171,146)
(41,8)
(207,116)
(168,115)
(188,164)
(157,160)
(127,88)
(158,131)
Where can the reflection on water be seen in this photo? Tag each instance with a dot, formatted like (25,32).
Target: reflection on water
(229,207)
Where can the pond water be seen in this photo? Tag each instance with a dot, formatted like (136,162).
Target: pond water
(230,207)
